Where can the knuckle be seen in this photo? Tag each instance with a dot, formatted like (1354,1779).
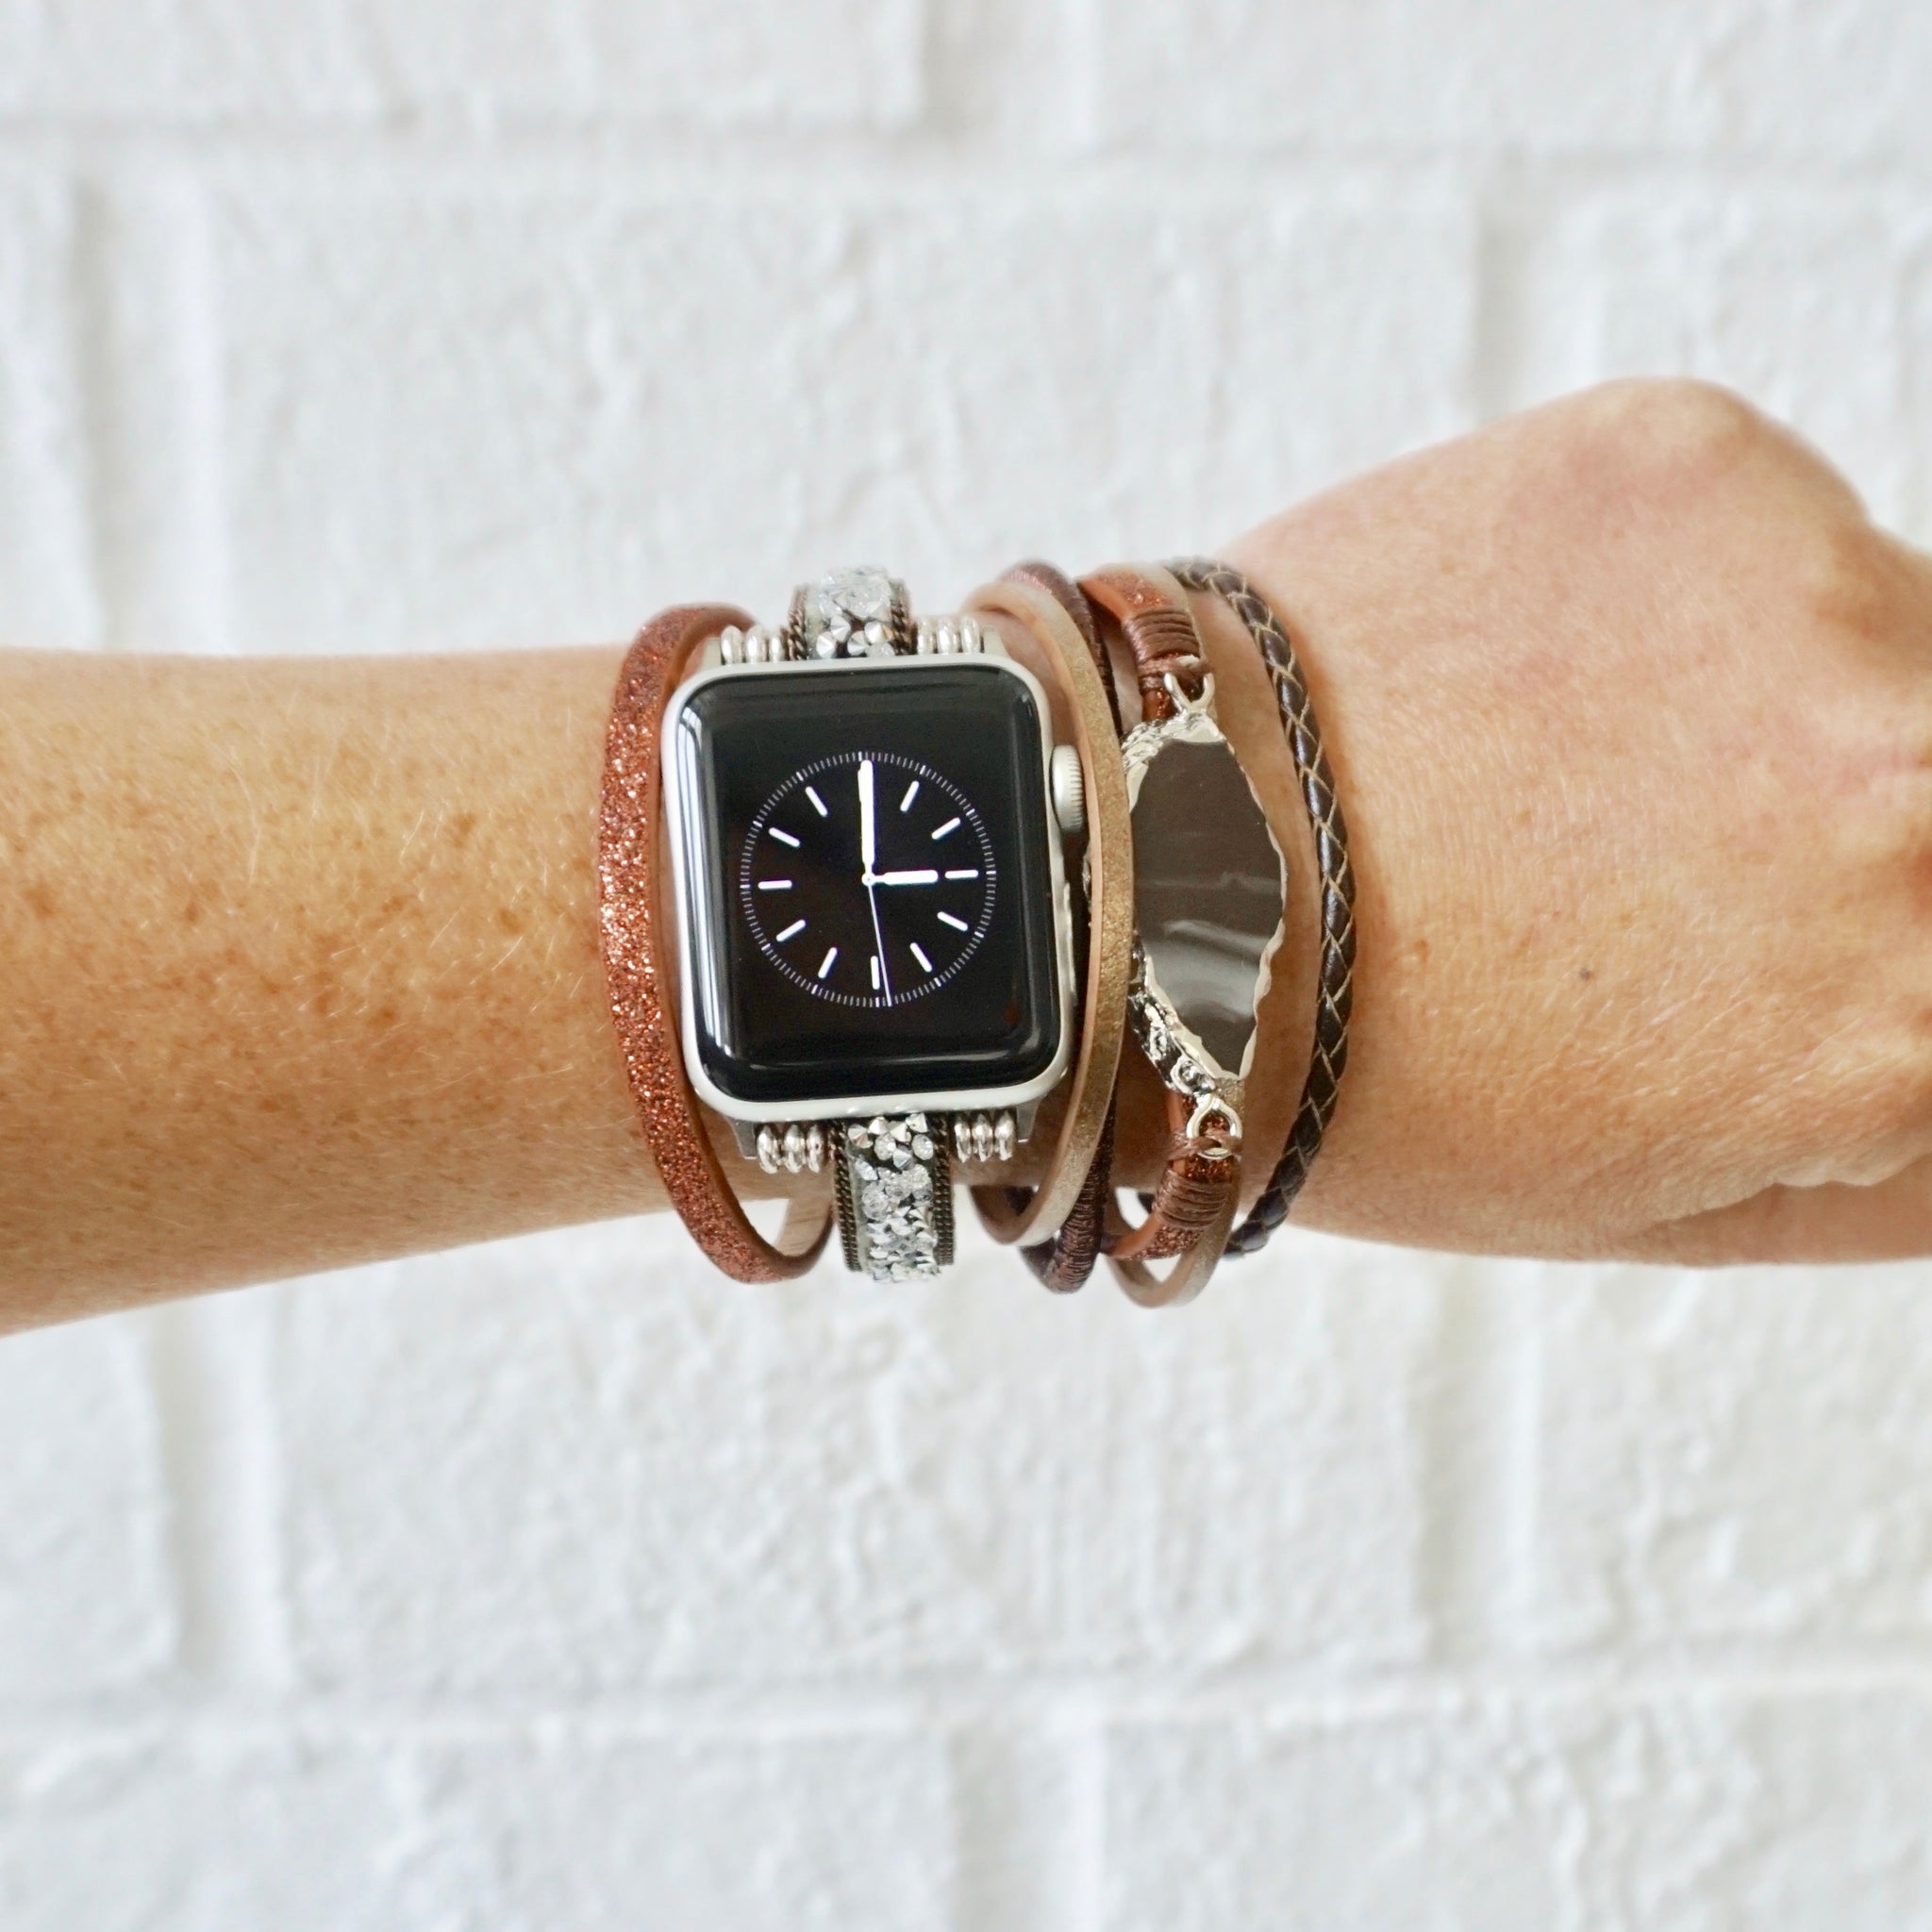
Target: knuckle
(1677,424)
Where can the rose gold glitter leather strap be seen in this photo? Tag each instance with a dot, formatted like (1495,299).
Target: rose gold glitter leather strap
(634,917)
(1011,1214)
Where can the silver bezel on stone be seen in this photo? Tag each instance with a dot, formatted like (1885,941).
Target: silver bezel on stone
(1172,1048)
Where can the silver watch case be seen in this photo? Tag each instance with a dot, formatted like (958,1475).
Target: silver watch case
(1021,1095)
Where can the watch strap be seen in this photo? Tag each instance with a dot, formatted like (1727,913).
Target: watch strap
(635,929)
(895,1193)
(1049,609)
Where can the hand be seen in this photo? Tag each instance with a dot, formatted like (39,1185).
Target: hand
(868,851)
(868,831)
(1631,712)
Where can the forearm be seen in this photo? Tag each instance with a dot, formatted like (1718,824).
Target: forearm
(299,967)
(1629,713)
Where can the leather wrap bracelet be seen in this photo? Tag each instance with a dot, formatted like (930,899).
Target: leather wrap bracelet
(1030,597)
(1335,996)
(1171,936)
(634,927)
(1194,1203)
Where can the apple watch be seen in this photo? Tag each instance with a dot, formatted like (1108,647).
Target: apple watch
(865,813)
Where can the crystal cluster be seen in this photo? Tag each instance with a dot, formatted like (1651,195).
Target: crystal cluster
(855,614)
(894,1192)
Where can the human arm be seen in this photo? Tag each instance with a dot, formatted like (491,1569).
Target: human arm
(1631,712)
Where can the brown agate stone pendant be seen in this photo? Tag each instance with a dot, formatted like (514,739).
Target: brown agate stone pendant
(1210,891)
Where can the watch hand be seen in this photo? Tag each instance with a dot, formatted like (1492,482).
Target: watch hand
(867,835)
(906,878)
(866,830)
(878,938)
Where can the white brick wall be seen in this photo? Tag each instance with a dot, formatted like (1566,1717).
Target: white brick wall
(561,1585)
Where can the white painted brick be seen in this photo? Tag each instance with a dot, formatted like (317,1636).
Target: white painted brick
(1838,78)
(586,1462)
(516,1831)
(803,65)
(1728,1461)
(46,562)
(1804,1812)
(507,418)
(1793,300)
(1439,1822)
(1807,1812)
(87,1600)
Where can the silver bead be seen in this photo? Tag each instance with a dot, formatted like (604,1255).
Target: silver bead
(982,1137)
(969,634)
(1004,1131)
(731,644)
(768,1149)
(814,1147)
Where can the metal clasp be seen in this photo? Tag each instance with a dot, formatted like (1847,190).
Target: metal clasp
(1227,1143)
(1198,707)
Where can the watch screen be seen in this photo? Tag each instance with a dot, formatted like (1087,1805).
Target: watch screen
(870,886)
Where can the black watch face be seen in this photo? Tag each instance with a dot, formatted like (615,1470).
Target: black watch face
(869,881)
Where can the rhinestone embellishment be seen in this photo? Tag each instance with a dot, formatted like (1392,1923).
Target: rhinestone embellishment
(895,1181)
(854,611)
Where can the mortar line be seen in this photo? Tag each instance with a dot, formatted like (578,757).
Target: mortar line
(208,1361)
(936,149)
(198,337)
(1075,1724)
(1473,1547)
(1498,376)
(93,360)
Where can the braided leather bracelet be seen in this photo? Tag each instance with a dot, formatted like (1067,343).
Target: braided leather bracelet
(631,909)
(1337,983)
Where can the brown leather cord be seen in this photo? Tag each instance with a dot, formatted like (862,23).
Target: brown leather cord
(1336,987)
(1192,1190)
(1189,1275)
(1069,1204)
(1201,1181)
(636,926)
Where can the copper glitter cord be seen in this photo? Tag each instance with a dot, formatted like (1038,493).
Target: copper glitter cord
(632,913)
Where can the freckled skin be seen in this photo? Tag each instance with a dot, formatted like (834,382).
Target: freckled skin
(1631,713)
